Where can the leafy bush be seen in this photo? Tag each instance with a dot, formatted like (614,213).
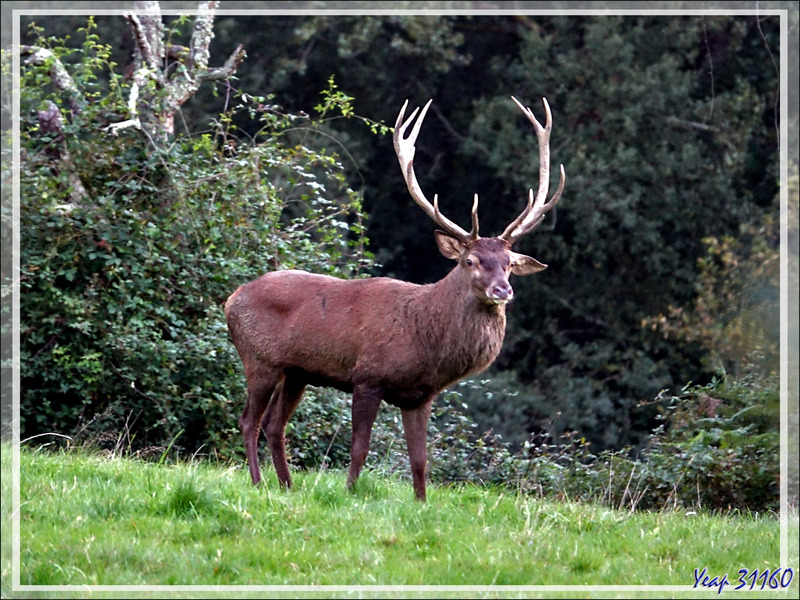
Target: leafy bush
(717,447)
(129,250)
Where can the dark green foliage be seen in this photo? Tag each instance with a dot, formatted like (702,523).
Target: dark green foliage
(318,434)
(656,161)
(716,448)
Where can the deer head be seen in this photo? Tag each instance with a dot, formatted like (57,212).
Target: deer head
(488,261)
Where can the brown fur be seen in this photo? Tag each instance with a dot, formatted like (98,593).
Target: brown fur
(378,338)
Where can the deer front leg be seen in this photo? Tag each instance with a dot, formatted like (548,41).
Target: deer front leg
(415,426)
(366,401)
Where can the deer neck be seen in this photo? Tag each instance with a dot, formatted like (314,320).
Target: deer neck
(455,320)
(454,294)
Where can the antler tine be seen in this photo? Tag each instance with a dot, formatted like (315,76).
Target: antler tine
(535,210)
(404,148)
(474,232)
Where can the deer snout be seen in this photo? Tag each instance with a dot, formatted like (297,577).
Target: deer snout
(500,292)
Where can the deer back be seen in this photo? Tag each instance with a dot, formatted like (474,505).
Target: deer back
(409,339)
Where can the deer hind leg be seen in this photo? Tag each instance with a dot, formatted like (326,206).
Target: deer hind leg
(366,401)
(284,402)
(260,387)
(415,427)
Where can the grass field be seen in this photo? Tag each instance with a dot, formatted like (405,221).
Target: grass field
(88,519)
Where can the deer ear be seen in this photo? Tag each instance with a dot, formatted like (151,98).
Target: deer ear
(525,265)
(449,246)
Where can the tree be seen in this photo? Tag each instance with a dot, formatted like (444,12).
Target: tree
(658,160)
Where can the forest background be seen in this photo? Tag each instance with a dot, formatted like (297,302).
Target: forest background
(657,324)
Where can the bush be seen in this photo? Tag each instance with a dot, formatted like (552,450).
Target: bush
(130,249)
(717,447)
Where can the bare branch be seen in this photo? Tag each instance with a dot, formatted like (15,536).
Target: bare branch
(158,104)
(133,99)
(58,74)
(677,121)
(201,37)
(148,31)
(114,128)
(229,68)
(50,121)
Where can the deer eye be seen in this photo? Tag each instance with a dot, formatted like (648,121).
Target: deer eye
(470,262)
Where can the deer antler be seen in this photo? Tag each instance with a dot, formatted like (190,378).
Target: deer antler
(404,148)
(534,212)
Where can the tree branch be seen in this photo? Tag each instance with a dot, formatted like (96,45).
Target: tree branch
(148,31)
(228,69)
(157,107)
(58,74)
(51,122)
(201,37)
(142,43)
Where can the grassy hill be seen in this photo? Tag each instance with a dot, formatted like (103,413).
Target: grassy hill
(91,519)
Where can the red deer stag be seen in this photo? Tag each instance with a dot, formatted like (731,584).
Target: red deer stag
(381,338)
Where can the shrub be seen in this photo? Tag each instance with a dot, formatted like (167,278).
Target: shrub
(129,250)
(718,447)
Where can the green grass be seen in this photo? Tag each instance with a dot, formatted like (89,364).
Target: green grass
(94,520)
